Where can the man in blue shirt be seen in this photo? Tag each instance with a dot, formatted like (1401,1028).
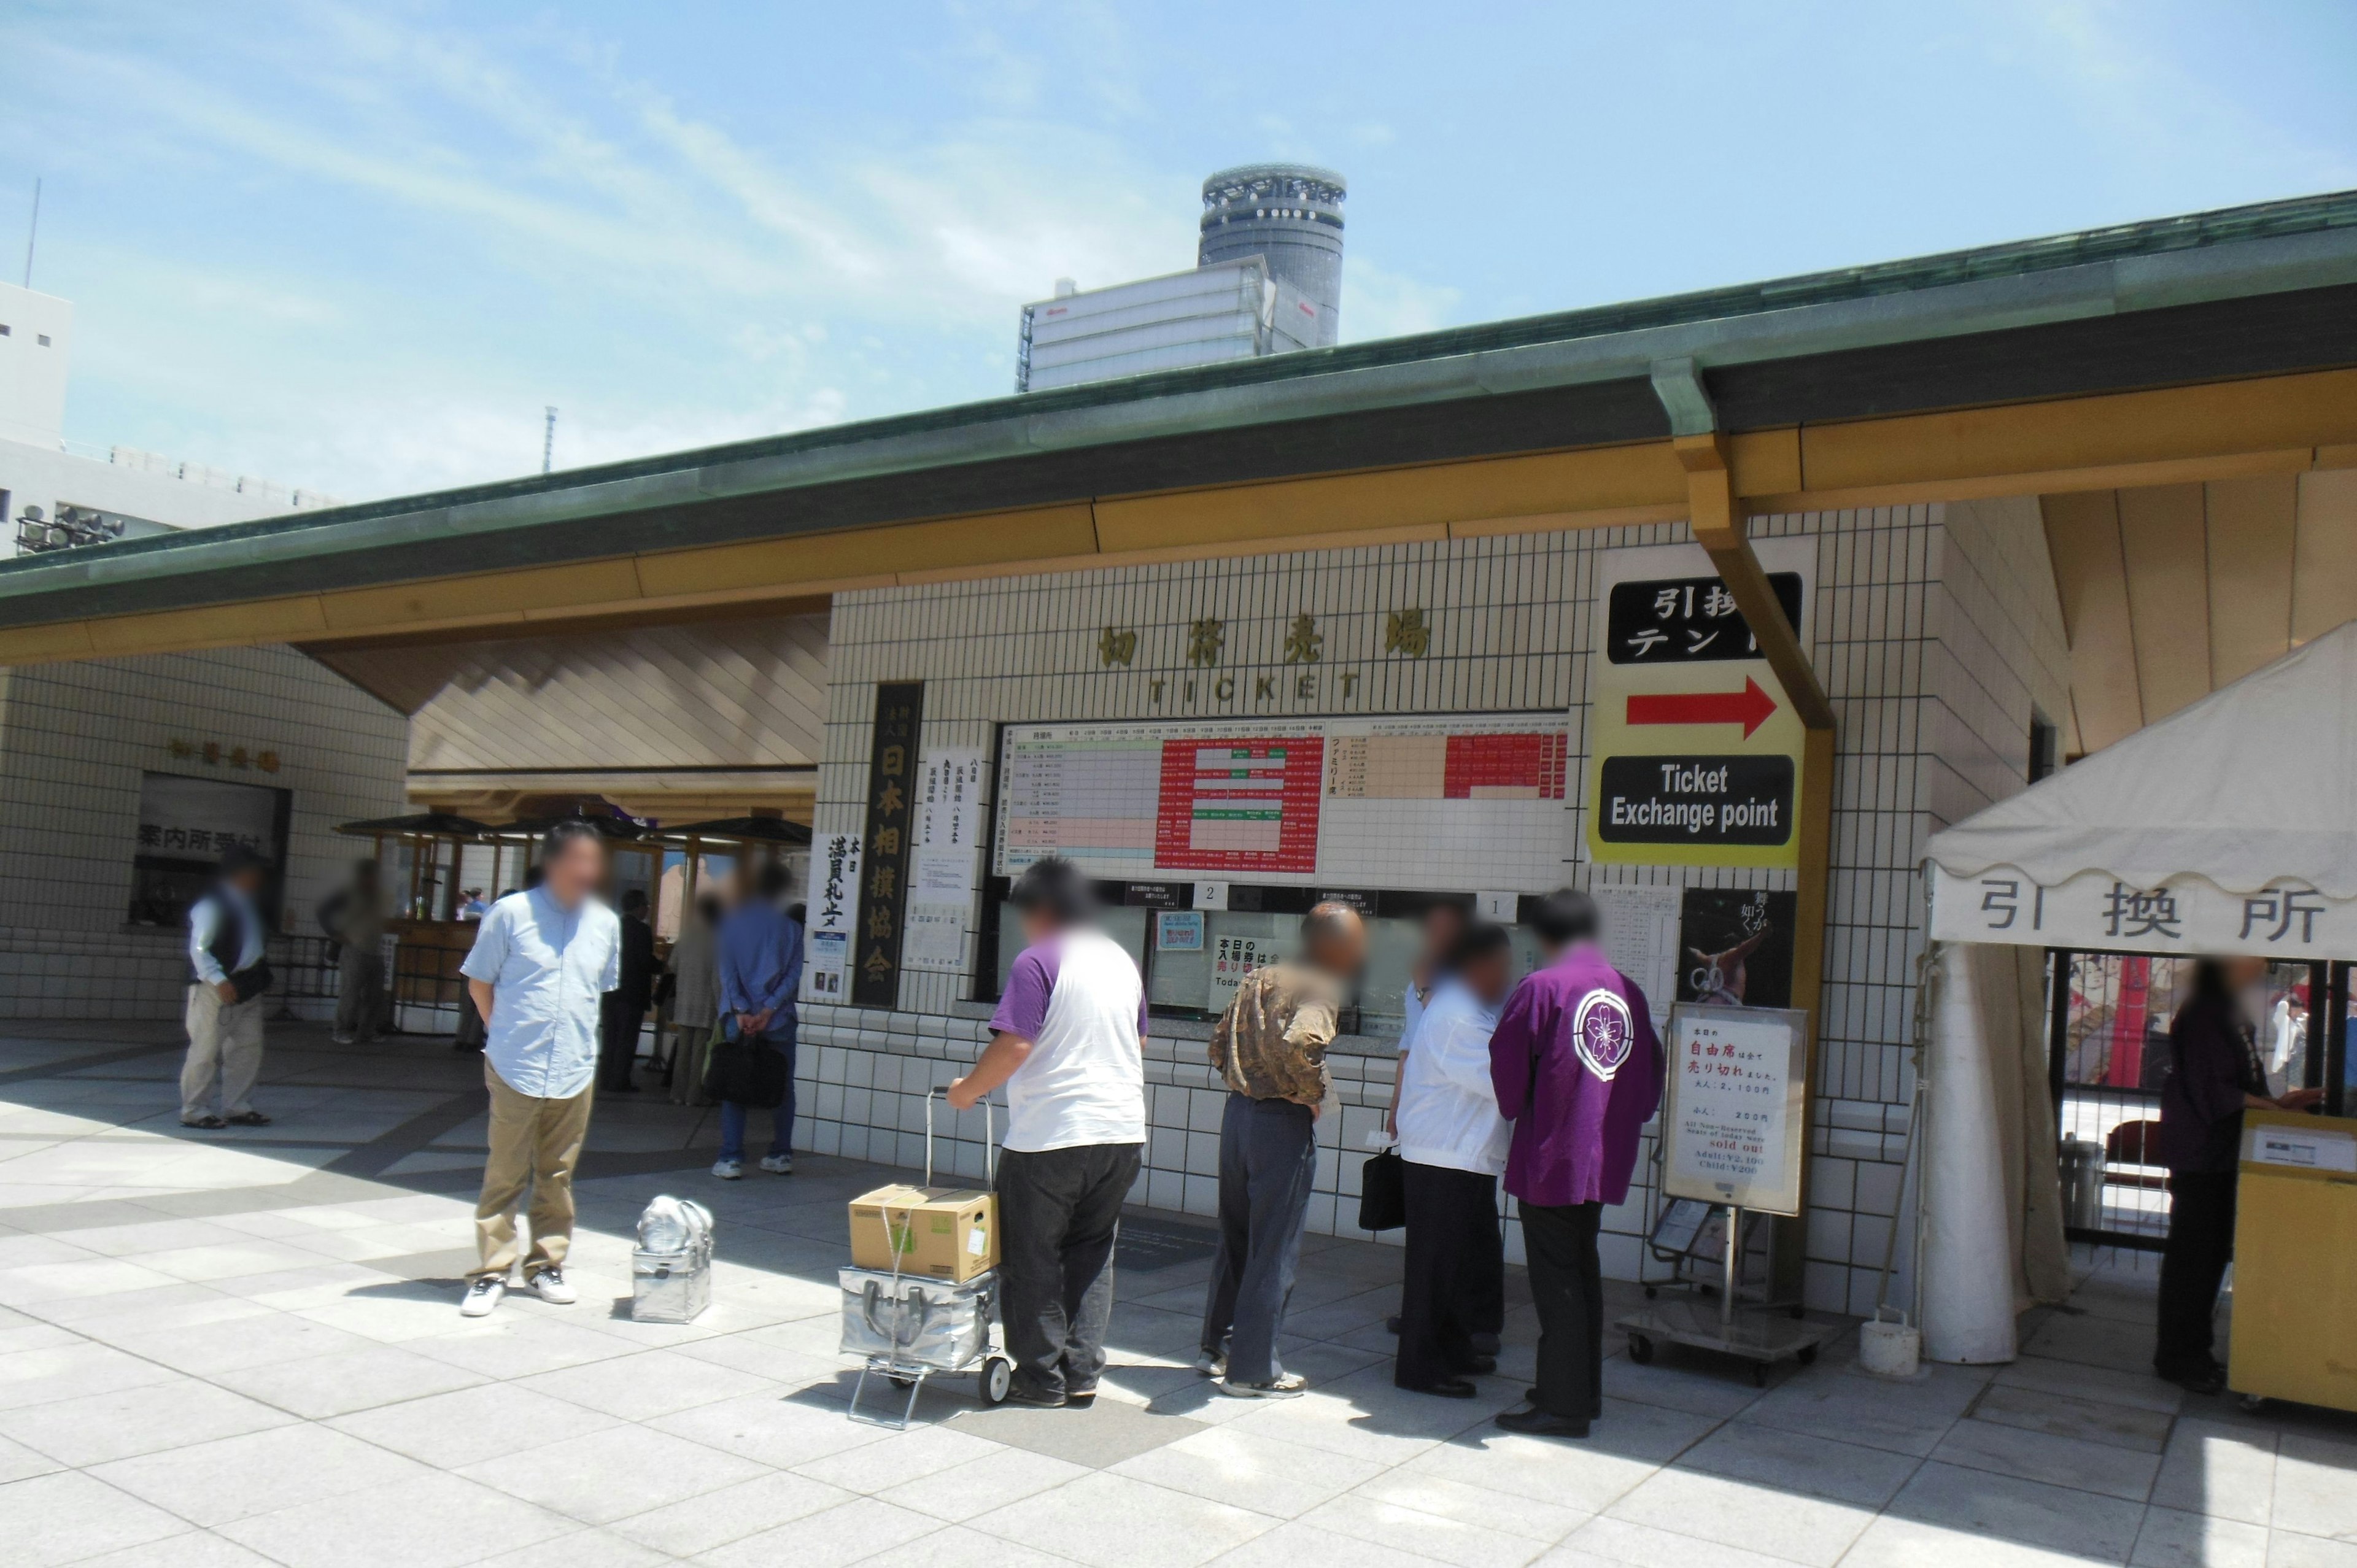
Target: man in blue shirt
(760,971)
(542,961)
(224,1011)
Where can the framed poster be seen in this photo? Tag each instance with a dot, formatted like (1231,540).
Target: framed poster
(1734,947)
(1737,1105)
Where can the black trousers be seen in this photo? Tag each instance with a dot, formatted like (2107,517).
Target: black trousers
(1453,1279)
(1567,1286)
(2192,1266)
(1059,1217)
(618,1018)
(1268,1158)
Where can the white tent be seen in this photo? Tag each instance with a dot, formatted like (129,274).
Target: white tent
(2228,827)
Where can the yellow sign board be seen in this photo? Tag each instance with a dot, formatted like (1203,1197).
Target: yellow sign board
(1694,751)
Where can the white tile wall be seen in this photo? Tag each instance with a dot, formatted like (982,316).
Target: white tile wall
(1937,630)
(74,739)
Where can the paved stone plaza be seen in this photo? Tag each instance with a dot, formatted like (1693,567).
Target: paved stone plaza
(244,1347)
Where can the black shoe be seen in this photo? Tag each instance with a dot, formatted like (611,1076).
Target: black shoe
(1038,1399)
(1539,1424)
(1448,1389)
(1483,1366)
(2197,1378)
(1391,1325)
(1081,1398)
(1485,1343)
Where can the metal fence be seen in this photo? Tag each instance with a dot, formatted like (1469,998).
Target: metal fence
(2109,1016)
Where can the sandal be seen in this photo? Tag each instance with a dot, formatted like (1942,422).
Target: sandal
(249,1119)
(206,1123)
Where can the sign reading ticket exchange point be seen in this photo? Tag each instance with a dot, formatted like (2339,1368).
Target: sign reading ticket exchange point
(1694,752)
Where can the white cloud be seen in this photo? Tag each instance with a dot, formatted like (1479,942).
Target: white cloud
(1378,303)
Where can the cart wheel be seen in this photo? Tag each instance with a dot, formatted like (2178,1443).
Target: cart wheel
(1807,1355)
(900,1382)
(1651,1292)
(1759,1374)
(997,1375)
(2251,1403)
(1640,1349)
(1797,1313)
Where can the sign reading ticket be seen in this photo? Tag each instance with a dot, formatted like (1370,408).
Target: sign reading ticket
(1738,1081)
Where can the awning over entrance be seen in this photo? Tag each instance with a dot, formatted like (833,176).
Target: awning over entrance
(2230,826)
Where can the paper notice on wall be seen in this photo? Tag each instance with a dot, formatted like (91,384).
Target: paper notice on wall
(942,870)
(833,904)
(1640,938)
(1232,957)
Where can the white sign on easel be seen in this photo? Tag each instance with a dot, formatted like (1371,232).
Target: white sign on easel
(943,864)
(1737,1105)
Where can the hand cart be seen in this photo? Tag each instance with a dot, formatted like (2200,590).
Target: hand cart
(909,1328)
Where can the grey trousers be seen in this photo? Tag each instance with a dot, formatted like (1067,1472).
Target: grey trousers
(359,991)
(1268,1158)
(224,1047)
(1059,1217)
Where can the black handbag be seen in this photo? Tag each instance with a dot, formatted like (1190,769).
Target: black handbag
(1383,1192)
(251,983)
(745,1074)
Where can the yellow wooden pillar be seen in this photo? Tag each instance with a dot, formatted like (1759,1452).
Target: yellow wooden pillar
(1717,517)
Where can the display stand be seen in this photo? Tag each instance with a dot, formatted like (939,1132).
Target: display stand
(1732,1129)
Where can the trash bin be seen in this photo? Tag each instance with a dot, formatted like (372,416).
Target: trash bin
(2082,1184)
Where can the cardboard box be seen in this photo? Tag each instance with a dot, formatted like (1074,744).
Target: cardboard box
(941,1232)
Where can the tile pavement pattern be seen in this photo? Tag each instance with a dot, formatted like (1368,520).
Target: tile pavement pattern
(1937,633)
(244,1350)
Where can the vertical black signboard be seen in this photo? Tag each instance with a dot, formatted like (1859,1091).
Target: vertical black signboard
(884,886)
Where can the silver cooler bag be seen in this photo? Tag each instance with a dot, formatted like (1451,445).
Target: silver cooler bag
(671,1269)
(916,1322)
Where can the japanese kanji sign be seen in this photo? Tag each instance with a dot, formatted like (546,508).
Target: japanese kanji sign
(2095,911)
(949,832)
(1694,754)
(832,907)
(1735,1108)
(892,793)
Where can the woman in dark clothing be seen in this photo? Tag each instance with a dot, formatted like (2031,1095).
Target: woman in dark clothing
(2215,1074)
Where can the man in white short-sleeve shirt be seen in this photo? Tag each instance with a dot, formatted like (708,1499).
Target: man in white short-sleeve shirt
(1068,1044)
(542,961)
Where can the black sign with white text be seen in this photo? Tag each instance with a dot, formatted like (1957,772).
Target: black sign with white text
(1687,620)
(1695,799)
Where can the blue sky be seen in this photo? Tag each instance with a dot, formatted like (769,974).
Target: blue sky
(358,247)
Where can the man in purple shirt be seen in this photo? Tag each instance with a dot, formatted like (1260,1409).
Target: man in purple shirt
(1579,1072)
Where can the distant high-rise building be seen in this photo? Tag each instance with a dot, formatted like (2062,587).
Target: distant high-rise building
(1267,280)
(1290,213)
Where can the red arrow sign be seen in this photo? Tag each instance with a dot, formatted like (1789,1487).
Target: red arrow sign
(1750,707)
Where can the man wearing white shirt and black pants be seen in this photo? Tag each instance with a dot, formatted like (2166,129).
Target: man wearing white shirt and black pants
(1066,1042)
(540,966)
(224,1014)
(1453,1143)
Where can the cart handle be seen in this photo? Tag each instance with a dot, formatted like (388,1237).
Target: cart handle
(989,1135)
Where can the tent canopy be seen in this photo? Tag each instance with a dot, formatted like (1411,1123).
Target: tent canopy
(2254,785)
(2228,826)
(419,824)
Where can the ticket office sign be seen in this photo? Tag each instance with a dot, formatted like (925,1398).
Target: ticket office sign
(1694,749)
(1736,1106)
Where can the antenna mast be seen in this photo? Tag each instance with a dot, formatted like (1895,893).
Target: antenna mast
(33,233)
(548,440)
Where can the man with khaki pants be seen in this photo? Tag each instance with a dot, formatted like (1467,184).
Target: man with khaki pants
(541,962)
(225,996)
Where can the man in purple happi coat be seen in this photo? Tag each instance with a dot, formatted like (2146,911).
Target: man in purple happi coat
(1578,1071)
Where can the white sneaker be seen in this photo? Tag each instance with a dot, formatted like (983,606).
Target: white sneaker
(483,1294)
(344,1040)
(1210,1366)
(728,1170)
(1286,1386)
(779,1165)
(550,1285)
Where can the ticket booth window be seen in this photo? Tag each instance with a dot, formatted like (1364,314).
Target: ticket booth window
(184,824)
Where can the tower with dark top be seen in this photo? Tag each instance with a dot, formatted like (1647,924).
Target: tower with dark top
(1289,213)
